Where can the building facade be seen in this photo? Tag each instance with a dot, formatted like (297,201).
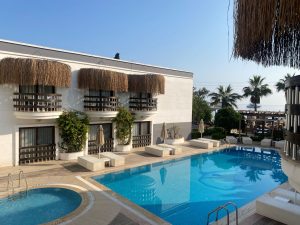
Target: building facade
(37,84)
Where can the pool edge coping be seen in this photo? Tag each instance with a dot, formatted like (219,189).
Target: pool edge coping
(146,213)
(85,204)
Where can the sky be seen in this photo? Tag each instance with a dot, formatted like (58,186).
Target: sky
(191,35)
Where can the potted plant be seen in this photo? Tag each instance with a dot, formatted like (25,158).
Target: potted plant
(174,137)
(73,127)
(124,121)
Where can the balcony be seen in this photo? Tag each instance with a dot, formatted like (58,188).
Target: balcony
(143,106)
(96,106)
(37,105)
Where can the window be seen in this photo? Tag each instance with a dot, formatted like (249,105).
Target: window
(100,93)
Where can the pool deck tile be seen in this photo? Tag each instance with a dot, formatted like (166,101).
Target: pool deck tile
(104,211)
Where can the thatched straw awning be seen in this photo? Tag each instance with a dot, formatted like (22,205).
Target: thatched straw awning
(147,83)
(23,71)
(268,31)
(106,80)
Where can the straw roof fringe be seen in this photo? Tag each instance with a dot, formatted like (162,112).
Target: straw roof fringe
(24,71)
(268,31)
(98,79)
(147,83)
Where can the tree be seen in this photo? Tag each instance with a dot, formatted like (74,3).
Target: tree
(280,85)
(227,118)
(73,127)
(224,96)
(201,109)
(201,93)
(124,121)
(256,90)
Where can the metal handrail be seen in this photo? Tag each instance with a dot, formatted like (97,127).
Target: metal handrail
(10,180)
(22,175)
(227,212)
(219,208)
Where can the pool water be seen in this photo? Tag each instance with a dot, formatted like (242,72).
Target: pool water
(184,191)
(38,206)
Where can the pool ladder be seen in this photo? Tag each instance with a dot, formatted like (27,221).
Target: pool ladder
(10,182)
(224,207)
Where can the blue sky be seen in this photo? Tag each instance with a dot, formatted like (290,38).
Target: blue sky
(192,35)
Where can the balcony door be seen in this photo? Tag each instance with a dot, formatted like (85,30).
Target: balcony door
(36,89)
(100,93)
(140,95)
(141,135)
(36,144)
(109,141)
(98,100)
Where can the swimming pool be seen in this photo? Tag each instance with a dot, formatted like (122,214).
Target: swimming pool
(38,206)
(183,191)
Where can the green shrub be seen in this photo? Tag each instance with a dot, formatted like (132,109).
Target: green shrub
(215,133)
(73,127)
(195,134)
(257,137)
(218,135)
(124,121)
(211,130)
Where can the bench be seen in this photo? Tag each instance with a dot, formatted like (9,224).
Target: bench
(215,142)
(201,144)
(115,160)
(266,142)
(175,149)
(158,150)
(246,140)
(279,206)
(92,163)
(231,140)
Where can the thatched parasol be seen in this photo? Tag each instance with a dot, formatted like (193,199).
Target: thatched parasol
(146,83)
(268,31)
(100,141)
(25,71)
(164,133)
(106,80)
(201,127)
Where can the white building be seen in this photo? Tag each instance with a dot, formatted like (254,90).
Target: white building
(28,131)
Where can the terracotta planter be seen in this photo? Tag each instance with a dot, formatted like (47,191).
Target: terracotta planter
(70,156)
(174,141)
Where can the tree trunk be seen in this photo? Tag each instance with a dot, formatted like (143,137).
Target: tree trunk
(255,107)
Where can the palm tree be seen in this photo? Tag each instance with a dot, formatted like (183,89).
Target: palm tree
(256,90)
(224,96)
(281,83)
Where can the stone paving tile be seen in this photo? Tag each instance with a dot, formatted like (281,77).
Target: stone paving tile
(104,211)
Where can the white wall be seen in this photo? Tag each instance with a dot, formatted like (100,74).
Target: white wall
(174,106)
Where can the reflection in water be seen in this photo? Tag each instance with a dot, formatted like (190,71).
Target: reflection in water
(163,173)
(183,191)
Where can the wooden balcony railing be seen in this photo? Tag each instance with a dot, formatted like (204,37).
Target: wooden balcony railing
(143,104)
(95,103)
(141,140)
(37,153)
(107,147)
(37,102)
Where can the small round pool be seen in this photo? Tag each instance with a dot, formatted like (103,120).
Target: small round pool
(38,206)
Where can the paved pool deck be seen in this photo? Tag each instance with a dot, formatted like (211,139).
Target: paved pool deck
(104,207)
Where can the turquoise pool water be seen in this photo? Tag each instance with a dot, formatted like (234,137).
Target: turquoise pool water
(38,206)
(183,191)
